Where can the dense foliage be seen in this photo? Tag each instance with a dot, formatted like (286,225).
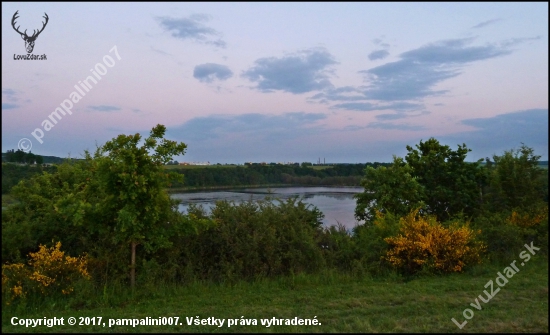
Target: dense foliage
(100,204)
(132,184)
(13,174)
(505,199)
(429,212)
(250,240)
(515,180)
(451,186)
(393,188)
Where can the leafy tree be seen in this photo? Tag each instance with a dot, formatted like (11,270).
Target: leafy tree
(132,177)
(392,189)
(515,180)
(451,185)
(46,205)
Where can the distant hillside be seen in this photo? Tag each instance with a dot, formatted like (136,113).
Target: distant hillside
(53,159)
(45,159)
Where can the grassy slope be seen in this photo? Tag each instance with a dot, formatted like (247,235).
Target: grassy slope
(340,303)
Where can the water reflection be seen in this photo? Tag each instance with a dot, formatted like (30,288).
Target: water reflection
(336,203)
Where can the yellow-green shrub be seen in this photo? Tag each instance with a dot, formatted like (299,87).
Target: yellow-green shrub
(48,271)
(532,225)
(505,233)
(424,244)
(528,217)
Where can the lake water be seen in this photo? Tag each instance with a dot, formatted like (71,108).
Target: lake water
(336,203)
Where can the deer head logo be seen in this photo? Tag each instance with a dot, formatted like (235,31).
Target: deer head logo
(29,40)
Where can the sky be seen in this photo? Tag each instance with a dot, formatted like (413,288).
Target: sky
(277,82)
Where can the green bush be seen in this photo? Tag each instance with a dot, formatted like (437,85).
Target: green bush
(338,247)
(370,243)
(506,233)
(253,240)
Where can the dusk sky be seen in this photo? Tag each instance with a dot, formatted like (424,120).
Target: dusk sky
(278,82)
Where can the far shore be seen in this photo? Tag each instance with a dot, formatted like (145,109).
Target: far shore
(215,188)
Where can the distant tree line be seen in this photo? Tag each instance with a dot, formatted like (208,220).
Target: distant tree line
(20,156)
(258,174)
(252,174)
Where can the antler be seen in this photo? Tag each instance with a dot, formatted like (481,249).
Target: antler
(44,26)
(15,17)
(35,34)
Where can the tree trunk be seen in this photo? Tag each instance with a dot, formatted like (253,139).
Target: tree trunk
(133,266)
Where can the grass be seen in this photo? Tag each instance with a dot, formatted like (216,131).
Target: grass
(321,167)
(339,302)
